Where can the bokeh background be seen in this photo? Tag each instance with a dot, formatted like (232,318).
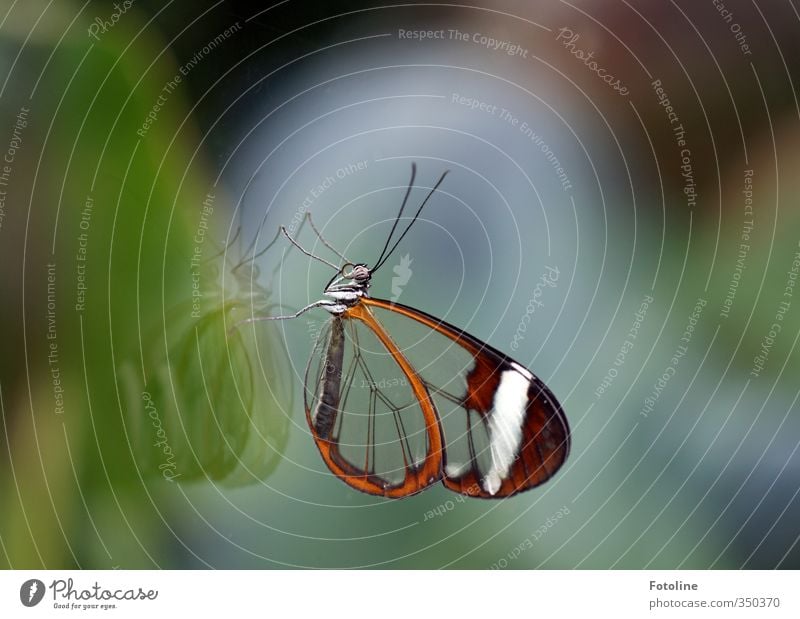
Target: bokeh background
(646,152)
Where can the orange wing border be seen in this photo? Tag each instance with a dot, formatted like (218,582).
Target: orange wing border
(416,479)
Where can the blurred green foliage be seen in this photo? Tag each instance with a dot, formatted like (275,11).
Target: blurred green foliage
(121,213)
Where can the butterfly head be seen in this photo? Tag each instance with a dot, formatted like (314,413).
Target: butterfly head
(359,274)
(348,286)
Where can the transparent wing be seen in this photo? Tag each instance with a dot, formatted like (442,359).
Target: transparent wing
(503,430)
(370,414)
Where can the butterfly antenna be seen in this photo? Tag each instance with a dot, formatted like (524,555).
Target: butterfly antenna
(399,214)
(416,215)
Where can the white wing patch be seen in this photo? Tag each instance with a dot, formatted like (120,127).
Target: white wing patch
(455,470)
(522,370)
(505,426)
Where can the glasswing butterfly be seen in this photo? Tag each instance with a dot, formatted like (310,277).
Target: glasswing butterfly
(397,400)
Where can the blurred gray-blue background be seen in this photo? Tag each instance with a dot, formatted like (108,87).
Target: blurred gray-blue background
(640,157)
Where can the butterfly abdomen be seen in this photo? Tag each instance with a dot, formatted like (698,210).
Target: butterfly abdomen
(325,412)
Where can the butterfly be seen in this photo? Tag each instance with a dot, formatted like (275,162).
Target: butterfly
(398,400)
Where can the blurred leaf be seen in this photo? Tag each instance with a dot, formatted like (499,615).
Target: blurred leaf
(215,402)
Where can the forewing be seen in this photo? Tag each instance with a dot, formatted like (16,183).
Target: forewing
(503,430)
